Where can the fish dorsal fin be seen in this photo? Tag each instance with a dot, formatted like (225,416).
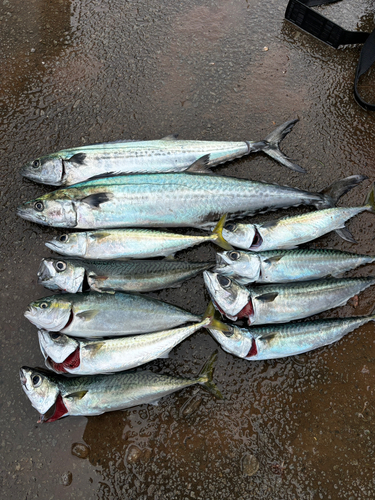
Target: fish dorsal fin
(200,166)
(77,395)
(267,297)
(95,200)
(78,158)
(87,315)
(93,347)
(171,137)
(274,259)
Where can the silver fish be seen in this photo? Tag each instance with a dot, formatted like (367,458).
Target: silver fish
(131,243)
(56,396)
(169,200)
(105,315)
(282,266)
(280,303)
(279,341)
(75,276)
(290,232)
(71,166)
(64,354)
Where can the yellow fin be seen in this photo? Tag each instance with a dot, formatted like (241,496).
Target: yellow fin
(215,321)
(217,234)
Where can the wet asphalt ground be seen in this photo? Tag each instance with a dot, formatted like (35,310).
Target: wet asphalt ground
(79,72)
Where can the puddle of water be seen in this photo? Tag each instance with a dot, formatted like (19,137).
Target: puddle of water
(131,70)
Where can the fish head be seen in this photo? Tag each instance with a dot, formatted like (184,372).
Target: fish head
(238,264)
(74,244)
(60,274)
(51,313)
(39,388)
(227,295)
(237,341)
(239,235)
(45,170)
(49,211)
(56,346)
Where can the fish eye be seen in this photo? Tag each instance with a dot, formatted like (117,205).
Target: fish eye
(37,380)
(38,205)
(44,305)
(230,226)
(36,163)
(60,266)
(55,335)
(63,238)
(234,255)
(224,281)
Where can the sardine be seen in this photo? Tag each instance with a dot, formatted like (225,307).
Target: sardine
(56,396)
(169,200)
(279,341)
(290,232)
(105,315)
(71,166)
(75,276)
(131,243)
(280,303)
(64,354)
(282,266)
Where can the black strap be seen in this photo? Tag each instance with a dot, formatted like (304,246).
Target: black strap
(299,13)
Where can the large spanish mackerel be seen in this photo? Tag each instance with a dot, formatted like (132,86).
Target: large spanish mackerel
(105,315)
(169,200)
(280,303)
(71,166)
(56,396)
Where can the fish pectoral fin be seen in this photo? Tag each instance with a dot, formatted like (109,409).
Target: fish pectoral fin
(267,297)
(164,355)
(270,223)
(274,259)
(99,235)
(200,166)
(95,200)
(94,347)
(78,158)
(77,395)
(346,235)
(267,337)
(171,137)
(87,315)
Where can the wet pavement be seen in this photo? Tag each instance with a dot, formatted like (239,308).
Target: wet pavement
(92,71)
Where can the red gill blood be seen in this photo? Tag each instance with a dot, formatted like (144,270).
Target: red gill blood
(71,362)
(253,351)
(59,411)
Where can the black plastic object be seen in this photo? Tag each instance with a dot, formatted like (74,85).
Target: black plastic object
(299,13)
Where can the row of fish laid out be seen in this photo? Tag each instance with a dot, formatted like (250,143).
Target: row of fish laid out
(75,165)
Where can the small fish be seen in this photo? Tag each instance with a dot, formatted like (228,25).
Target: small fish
(56,396)
(131,243)
(282,266)
(279,341)
(75,276)
(71,166)
(169,200)
(280,303)
(290,232)
(64,354)
(105,315)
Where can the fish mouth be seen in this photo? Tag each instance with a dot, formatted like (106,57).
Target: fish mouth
(221,262)
(28,214)
(23,378)
(52,246)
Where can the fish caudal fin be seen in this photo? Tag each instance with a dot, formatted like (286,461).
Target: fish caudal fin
(333,193)
(217,234)
(206,374)
(214,317)
(370,199)
(270,146)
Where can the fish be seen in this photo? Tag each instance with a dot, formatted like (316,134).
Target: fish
(280,303)
(64,354)
(169,200)
(282,266)
(131,243)
(105,315)
(280,341)
(289,232)
(74,275)
(56,396)
(75,165)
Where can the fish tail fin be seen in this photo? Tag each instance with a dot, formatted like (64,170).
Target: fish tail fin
(205,376)
(270,146)
(214,316)
(370,199)
(332,193)
(217,234)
